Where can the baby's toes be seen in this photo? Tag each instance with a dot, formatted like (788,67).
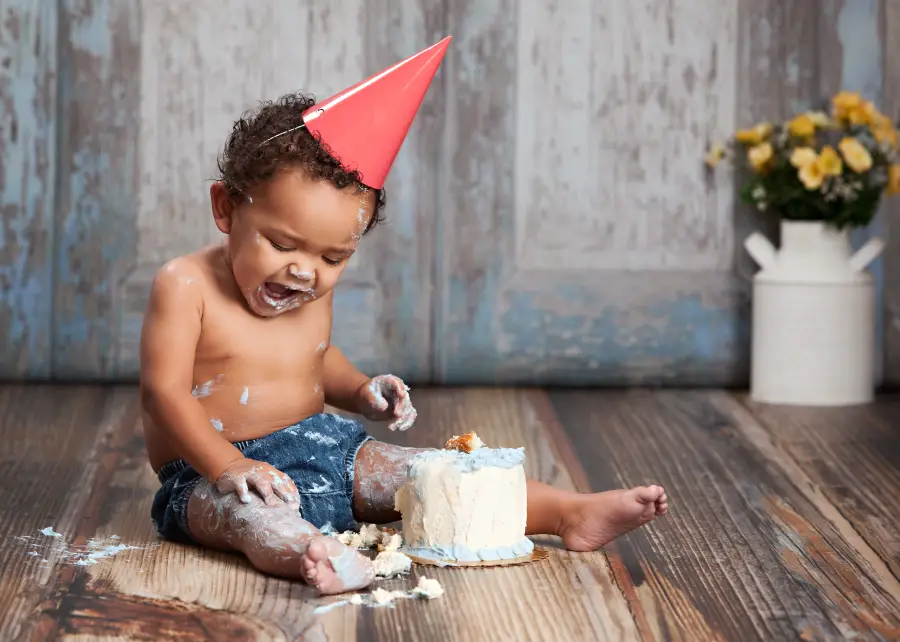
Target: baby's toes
(649,494)
(662,504)
(323,577)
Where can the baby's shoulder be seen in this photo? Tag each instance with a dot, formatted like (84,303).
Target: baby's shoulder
(181,271)
(179,281)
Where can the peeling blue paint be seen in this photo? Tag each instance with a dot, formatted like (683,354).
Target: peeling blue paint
(27,160)
(574,336)
(97,213)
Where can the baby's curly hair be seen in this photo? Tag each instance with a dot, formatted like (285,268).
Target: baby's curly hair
(245,161)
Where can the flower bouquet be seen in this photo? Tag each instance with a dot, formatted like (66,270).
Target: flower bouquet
(818,166)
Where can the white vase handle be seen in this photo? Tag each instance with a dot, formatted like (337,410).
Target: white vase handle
(866,254)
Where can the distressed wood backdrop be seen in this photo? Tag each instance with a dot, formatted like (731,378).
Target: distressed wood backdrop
(550,217)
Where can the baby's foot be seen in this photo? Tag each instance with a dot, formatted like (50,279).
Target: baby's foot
(595,520)
(334,568)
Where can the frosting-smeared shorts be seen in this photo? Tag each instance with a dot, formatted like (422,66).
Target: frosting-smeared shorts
(318,454)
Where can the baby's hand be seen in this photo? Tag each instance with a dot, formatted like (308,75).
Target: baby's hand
(266,480)
(386,397)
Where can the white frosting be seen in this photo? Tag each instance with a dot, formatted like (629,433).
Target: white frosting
(465,506)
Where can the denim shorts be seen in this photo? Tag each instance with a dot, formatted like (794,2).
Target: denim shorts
(318,454)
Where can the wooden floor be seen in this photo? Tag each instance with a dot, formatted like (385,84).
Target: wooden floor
(784,525)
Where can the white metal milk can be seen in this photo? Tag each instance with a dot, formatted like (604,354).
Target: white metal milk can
(813,332)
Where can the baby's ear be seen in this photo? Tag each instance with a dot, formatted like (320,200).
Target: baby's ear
(223,206)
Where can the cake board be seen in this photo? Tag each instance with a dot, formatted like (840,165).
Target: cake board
(536,555)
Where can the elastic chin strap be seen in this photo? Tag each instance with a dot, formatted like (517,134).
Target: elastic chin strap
(287,131)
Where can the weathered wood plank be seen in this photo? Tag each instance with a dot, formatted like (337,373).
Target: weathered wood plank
(779,63)
(853,456)
(890,21)
(851,57)
(743,554)
(98,180)
(570,596)
(546,171)
(28,41)
(52,458)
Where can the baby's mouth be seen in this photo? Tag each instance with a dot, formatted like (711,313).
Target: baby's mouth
(280,296)
(277,291)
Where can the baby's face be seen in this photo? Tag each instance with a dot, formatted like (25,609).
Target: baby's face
(291,240)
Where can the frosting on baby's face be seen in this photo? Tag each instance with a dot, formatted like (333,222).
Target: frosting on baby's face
(290,239)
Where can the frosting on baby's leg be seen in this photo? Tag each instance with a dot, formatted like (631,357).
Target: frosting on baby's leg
(276,540)
(380,469)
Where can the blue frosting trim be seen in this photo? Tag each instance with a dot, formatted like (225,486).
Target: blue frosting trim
(481,458)
(448,555)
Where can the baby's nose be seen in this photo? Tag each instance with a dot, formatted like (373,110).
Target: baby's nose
(300,274)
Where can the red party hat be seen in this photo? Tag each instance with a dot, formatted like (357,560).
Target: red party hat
(364,125)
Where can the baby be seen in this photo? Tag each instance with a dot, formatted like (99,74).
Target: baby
(237,366)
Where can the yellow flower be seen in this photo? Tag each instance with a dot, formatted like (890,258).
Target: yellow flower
(811,176)
(893,184)
(802,156)
(856,156)
(829,162)
(820,119)
(715,154)
(883,130)
(843,102)
(760,155)
(754,135)
(802,126)
(863,114)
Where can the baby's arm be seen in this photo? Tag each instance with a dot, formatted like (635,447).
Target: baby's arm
(169,337)
(384,397)
(342,381)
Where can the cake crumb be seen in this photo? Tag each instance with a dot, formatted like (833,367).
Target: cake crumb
(464,443)
(356,599)
(383,596)
(428,588)
(367,537)
(388,563)
(351,539)
(369,534)
(390,542)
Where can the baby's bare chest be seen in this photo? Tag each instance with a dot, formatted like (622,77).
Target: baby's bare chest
(235,338)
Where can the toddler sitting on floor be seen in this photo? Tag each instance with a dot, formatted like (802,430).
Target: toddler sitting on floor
(237,365)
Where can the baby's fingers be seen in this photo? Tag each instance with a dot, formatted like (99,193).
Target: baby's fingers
(240,487)
(283,486)
(408,420)
(406,416)
(398,388)
(264,488)
(375,394)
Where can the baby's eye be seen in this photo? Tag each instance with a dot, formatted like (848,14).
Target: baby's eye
(280,248)
(332,261)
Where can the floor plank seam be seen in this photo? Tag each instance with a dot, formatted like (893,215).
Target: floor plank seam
(882,572)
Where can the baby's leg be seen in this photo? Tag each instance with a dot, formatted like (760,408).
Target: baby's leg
(584,521)
(587,521)
(275,539)
(379,470)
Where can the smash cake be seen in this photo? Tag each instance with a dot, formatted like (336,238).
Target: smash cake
(465,505)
